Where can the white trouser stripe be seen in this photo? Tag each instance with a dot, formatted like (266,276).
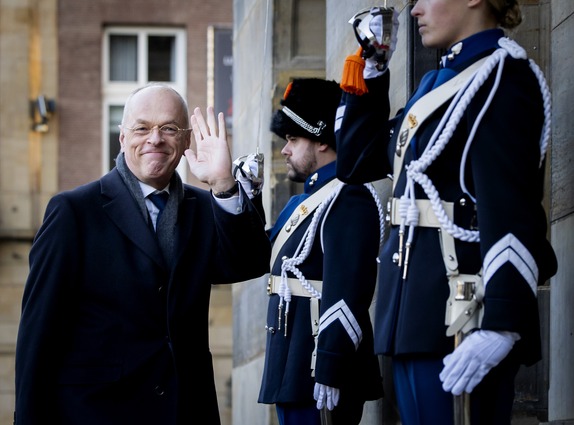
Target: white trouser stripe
(510,249)
(340,311)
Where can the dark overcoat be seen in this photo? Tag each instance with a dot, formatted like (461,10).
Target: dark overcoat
(109,333)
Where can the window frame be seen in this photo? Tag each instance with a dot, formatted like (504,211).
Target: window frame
(114,93)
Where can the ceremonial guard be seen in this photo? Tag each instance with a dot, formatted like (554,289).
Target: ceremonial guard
(456,307)
(319,365)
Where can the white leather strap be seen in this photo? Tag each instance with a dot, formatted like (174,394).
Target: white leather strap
(423,108)
(274,283)
(427,217)
(303,210)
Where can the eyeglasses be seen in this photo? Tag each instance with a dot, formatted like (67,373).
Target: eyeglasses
(166,129)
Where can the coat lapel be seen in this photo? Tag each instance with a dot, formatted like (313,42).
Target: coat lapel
(123,210)
(187,210)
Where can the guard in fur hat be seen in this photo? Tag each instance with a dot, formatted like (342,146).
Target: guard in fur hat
(319,365)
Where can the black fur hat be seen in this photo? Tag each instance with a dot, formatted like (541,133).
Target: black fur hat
(309,109)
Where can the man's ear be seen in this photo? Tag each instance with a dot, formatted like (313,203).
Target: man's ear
(122,138)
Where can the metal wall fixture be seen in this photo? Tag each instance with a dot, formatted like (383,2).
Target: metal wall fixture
(41,109)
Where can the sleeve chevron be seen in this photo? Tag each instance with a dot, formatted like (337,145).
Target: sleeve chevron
(340,311)
(339,117)
(510,250)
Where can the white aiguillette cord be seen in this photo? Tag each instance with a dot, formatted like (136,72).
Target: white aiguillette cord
(309,205)
(423,108)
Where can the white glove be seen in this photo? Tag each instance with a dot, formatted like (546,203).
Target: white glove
(326,396)
(384,42)
(248,171)
(479,352)
(371,70)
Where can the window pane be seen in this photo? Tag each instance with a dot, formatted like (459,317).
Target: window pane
(223,73)
(123,57)
(161,57)
(115,114)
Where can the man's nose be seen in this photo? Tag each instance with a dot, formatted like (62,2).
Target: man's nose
(155,134)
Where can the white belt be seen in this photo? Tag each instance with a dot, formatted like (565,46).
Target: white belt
(295,286)
(463,311)
(427,217)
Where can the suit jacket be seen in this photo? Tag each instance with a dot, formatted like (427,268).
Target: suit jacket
(343,256)
(110,333)
(501,172)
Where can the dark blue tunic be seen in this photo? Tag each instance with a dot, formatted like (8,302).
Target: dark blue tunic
(501,172)
(347,266)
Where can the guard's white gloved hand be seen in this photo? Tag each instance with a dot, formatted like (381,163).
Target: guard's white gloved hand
(385,42)
(326,396)
(479,352)
(248,171)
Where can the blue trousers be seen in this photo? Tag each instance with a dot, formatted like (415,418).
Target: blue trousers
(345,413)
(298,414)
(422,401)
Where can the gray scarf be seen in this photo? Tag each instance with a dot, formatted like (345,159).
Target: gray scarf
(166,225)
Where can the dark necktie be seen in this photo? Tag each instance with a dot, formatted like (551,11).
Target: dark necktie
(159,200)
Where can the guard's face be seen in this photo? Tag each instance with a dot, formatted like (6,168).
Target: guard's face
(153,136)
(300,157)
(442,23)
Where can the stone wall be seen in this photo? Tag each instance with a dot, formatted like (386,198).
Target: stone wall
(265,66)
